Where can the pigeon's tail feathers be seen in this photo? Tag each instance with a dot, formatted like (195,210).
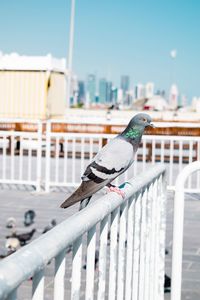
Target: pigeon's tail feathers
(84,191)
(75,197)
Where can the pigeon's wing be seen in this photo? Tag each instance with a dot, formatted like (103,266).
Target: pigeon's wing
(112,160)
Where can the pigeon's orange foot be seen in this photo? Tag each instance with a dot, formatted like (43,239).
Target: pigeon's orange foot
(117,190)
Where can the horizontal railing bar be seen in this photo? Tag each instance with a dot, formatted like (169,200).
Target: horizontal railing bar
(31,258)
(121,122)
(186,190)
(109,136)
(19,133)
(19,120)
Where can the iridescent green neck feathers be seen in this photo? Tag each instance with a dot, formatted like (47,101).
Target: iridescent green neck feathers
(133,132)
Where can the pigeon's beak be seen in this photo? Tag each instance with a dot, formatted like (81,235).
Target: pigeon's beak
(152,125)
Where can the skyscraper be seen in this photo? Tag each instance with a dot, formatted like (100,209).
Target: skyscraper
(102,90)
(109,92)
(125,83)
(81,91)
(91,87)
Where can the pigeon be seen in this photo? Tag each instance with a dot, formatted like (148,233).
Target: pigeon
(110,162)
(50,226)
(29,217)
(22,237)
(11,223)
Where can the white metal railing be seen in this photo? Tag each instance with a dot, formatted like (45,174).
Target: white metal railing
(131,264)
(73,151)
(20,156)
(46,159)
(178,228)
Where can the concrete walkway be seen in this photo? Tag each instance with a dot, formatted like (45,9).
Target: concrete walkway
(14,201)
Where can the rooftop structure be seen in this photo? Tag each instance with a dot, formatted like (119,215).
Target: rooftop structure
(32,86)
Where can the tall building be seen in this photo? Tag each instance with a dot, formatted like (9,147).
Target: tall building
(91,87)
(125,83)
(81,91)
(149,90)
(109,92)
(139,91)
(114,95)
(105,91)
(102,90)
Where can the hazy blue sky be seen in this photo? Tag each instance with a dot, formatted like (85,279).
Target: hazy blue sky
(111,37)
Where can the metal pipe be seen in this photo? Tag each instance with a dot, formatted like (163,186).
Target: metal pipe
(70,51)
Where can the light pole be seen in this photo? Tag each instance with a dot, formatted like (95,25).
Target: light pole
(173,54)
(70,53)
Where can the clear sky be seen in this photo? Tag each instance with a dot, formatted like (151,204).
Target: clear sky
(112,38)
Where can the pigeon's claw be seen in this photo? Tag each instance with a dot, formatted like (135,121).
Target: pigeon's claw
(117,190)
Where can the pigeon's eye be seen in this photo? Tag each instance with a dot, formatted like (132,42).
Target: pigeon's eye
(144,119)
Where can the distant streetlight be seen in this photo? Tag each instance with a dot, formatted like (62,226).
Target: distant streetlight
(173,54)
(70,53)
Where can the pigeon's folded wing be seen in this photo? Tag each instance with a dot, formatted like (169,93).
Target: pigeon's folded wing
(110,162)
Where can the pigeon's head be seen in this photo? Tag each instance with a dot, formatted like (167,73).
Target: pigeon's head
(142,120)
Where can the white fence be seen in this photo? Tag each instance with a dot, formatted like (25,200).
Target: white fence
(129,235)
(20,156)
(178,228)
(47,159)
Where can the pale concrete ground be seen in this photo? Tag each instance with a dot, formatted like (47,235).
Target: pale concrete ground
(14,201)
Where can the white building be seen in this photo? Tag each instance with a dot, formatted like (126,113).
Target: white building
(149,90)
(139,91)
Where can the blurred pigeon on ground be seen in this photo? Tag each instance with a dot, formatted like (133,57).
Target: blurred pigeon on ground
(23,237)
(12,244)
(50,226)
(29,217)
(110,162)
(11,223)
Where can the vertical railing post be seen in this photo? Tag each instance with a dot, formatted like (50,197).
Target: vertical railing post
(121,256)
(59,287)
(90,265)
(102,258)
(113,254)
(136,246)
(162,193)
(143,249)
(38,286)
(129,254)
(76,269)
(48,156)
(39,156)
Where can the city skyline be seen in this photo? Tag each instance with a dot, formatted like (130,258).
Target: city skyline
(111,38)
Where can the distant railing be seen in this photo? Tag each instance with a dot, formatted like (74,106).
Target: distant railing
(72,152)
(44,158)
(128,235)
